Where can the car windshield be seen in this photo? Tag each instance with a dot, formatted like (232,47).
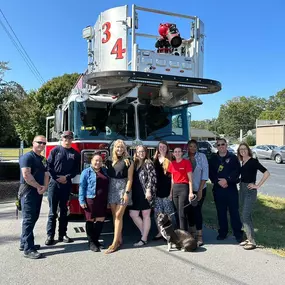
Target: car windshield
(97,120)
(163,123)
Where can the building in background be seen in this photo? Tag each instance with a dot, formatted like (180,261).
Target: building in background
(270,132)
(202,135)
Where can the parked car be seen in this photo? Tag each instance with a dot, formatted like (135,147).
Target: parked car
(278,154)
(210,147)
(234,147)
(263,151)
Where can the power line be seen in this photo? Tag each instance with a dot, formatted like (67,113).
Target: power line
(21,50)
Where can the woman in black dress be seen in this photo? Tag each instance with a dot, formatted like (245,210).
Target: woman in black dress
(163,201)
(93,198)
(143,194)
(248,190)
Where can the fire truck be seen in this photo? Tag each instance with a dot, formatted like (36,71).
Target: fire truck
(138,86)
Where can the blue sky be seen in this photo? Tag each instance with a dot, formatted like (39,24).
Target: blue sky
(244,45)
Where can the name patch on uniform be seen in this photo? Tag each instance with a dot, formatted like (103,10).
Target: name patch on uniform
(71,155)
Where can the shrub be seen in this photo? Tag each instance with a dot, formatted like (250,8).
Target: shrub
(250,140)
(9,171)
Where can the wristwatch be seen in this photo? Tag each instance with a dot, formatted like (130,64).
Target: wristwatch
(127,192)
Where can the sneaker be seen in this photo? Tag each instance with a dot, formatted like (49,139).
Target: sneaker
(243,243)
(49,241)
(32,254)
(249,246)
(36,247)
(221,237)
(65,239)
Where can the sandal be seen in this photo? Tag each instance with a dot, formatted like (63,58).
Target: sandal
(243,243)
(140,243)
(249,246)
(112,248)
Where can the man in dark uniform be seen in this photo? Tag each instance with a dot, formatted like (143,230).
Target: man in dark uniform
(224,171)
(63,165)
(33,183)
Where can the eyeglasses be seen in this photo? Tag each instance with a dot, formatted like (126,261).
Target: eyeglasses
(221,144)
(43,143)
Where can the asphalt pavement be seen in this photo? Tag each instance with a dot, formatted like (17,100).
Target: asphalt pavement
(275,184)
(215,263)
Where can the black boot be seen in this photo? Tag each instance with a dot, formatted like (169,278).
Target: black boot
(98,227)
(90,233)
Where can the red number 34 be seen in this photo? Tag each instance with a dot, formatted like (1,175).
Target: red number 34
(117,49)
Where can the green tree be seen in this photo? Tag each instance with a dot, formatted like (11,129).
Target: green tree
(239,113)
(208,124)
(10,94)
(34,109)
(250,140)
(275,108)
(3,68)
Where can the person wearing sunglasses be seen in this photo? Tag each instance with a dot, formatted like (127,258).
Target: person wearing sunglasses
(33,183)
(224,171)
(63,165)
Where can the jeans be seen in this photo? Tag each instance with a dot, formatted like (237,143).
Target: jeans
(31,203)
(195,213)
(228,199)
(180,197)
(247,198)
(58,195)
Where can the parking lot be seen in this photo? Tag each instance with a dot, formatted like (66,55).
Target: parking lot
(218,262)
(275,185)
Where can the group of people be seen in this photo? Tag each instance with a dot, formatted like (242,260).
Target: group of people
(168,183)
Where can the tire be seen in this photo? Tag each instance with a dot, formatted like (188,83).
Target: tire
(278,159)
(254,155)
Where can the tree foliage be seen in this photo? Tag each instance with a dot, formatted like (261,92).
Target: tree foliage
(207,124)
(275,108)
(250,140)
(239,113)
(10,94)
(34,109)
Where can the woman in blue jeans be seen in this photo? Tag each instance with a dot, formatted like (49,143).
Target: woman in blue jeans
(248,190)
(93,198)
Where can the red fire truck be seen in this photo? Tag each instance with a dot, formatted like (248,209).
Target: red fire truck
(133,91)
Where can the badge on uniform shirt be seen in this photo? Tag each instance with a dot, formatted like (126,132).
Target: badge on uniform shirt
(221,167)
(227,160)
(44,162)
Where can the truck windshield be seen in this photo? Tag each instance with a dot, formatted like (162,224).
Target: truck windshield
(98,120)
(163,123)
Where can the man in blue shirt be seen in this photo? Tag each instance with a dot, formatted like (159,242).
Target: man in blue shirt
(63,165)
(224,171)
(33,183)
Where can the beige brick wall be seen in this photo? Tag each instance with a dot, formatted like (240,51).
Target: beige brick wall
(270,135)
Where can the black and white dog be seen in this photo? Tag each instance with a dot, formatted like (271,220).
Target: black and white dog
(180,238)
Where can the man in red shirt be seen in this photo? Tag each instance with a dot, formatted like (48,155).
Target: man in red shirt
(181,190)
